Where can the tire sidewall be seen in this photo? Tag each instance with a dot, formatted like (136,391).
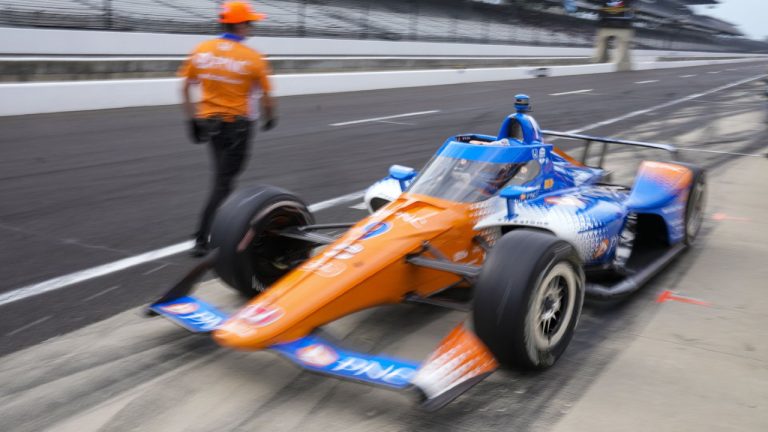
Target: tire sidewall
(698,184)
(543,358)
(245,210)
(506,282)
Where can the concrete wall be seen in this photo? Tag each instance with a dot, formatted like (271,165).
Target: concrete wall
(32,98)
(29,98)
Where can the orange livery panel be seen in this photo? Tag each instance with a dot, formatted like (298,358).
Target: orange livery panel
(365,267)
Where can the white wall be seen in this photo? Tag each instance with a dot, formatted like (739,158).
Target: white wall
(29,98)
(32,98)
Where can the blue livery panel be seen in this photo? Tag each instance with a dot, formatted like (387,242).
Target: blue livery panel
(191,313)
(318,355)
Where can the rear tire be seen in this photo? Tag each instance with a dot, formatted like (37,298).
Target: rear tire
(528,299)
(250,255)
(694,207)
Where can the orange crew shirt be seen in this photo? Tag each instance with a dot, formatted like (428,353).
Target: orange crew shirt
(229,73)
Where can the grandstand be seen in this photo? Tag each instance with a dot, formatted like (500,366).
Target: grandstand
(662,24)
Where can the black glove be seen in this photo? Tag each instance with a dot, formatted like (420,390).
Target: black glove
(268,124)
(196,131)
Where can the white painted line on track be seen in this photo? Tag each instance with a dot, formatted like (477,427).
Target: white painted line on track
(714,72)
(33,323)
(646,82)
(101,293)
(385,118)
(336,201)
(571,92)
(155,269)
(697,150)
(125,263)
(395,123)
(94,272)
(687,76)
(664,105)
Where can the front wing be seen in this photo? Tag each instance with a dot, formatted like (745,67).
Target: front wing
(460,361)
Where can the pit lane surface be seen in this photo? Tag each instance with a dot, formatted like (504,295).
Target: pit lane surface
(83,189)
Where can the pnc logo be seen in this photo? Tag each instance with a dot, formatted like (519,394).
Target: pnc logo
(180,308)
(374,371)
(375,230)
(261,316)
(317,355)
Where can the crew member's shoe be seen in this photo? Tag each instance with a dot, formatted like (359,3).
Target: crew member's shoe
(200,249)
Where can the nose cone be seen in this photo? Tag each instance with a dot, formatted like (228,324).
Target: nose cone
(363,268)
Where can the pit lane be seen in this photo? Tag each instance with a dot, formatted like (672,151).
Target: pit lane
(80,189)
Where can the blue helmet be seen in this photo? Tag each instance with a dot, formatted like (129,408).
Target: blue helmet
(522,103)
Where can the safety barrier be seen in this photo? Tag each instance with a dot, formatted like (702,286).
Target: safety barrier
(18,99)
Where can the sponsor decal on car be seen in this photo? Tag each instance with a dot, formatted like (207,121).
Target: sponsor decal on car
(260,315)
(567,201)
(373,370)
(191,313)
(542,155)
(180,308)
(238,327)
(344,251)
(415,221)
(325,269)
(460,255)
(376,229)
(602,248)
(317,355)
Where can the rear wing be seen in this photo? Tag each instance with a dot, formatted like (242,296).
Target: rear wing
(589,139)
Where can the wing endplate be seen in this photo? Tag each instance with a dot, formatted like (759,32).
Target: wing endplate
(191,313)
(459,362)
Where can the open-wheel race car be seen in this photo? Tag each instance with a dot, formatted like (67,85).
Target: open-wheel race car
(506,227)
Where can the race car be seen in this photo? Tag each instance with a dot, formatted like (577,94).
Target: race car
(506,227)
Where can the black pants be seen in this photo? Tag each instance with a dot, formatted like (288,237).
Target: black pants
(229,143)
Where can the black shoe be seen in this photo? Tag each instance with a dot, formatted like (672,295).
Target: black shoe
(199,250)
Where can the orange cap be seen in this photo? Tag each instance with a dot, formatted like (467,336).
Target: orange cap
(236,12)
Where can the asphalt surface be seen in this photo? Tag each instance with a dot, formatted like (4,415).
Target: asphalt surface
(83,189)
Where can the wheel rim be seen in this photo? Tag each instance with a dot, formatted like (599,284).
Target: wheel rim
(694,216)
(553,306)
(270,255)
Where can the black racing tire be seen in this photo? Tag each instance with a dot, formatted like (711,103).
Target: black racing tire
(250,255)
(528,299)
(694,206)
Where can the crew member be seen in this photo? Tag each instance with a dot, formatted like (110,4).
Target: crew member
(232,76)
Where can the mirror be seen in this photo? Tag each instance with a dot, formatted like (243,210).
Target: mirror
(516,193)
(403,174)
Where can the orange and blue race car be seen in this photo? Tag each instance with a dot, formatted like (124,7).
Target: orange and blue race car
(521,230)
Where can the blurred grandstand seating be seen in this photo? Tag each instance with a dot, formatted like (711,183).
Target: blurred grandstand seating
(523,22)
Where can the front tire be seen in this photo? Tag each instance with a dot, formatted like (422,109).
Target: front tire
(528,299)
(251,255)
